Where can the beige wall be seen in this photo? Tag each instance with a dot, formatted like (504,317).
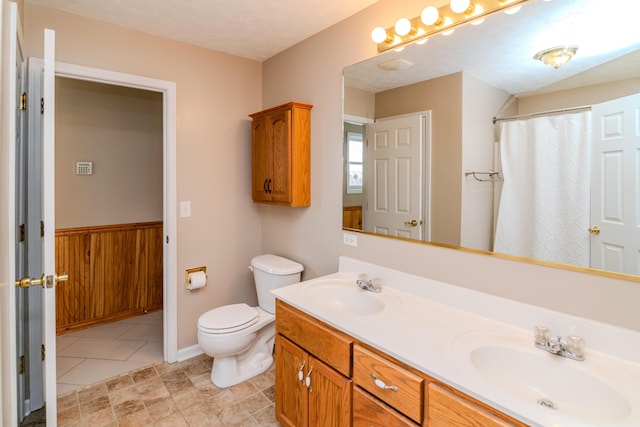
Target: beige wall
(119,129)
(312,72)
(215,92)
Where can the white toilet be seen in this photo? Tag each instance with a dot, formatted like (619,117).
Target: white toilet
(240,338)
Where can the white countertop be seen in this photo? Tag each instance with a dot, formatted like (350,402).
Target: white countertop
(422,327)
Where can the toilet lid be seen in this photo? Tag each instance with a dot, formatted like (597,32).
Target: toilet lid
(228,318)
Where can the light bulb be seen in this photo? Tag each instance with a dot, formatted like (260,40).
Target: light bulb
(513,10)
(379,35)
(429,15)
(403,27)
(460,6)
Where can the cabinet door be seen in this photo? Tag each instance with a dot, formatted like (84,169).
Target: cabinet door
(280,133)
(261,156)
(292,403)
(329,397)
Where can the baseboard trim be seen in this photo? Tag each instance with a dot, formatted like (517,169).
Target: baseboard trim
(189,352)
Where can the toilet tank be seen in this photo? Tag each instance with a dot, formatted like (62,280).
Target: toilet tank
(272,272)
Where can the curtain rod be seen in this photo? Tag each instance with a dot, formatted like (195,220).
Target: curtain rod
(542,113)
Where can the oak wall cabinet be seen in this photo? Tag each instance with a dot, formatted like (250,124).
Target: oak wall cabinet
(280,155)
(115,271)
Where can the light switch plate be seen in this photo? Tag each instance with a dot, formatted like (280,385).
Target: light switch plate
(350,239)
(185,209)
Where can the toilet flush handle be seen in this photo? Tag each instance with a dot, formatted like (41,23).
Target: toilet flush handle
(251,269)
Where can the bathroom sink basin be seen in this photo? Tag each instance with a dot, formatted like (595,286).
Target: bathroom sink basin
(579,390)
(344,296)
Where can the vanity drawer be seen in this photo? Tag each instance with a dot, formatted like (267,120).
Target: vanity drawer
(445,408)
(403,389)
(371,412)
(324,342)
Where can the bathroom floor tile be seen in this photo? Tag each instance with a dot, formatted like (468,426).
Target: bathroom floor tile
(109,330)
(143,331)
(101,348)
(91,371)
(151,352)
(64,364)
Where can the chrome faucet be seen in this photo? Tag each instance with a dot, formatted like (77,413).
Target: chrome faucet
(372,285)
(573,347)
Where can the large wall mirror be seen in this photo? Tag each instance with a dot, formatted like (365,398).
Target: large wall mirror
(556,178)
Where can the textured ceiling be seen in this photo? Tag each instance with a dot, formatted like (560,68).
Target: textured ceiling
(254,29)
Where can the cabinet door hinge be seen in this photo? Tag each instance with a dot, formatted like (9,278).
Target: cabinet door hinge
(22,233)
(44,353)
(21,365)
(167,239)
(23,101)
(41,105)
(41,228)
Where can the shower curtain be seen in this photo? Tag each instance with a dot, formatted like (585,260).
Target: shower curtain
(544,206)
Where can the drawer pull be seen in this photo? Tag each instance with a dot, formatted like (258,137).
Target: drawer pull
(300,373)
(380,384)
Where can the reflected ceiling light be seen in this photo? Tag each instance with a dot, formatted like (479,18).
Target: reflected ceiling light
(462,6)
(380,35)
(396,64)
(439,20)
(431,16)
(403,27)
(511,10)
(556,56)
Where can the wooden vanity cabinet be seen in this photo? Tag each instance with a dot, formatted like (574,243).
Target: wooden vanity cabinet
(342,390)
(313,366)
(280,155)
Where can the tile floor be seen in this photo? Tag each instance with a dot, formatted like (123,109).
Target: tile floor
(113,375)
(95,354)
(178,394)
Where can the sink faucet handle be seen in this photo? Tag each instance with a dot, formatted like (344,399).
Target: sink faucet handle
(575,346)
(542,334)
(362,276)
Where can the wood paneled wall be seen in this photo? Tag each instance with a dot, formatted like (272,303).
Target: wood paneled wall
(115,271)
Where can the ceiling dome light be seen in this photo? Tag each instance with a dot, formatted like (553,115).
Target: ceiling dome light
(380,35)
(431,16)
(556,56)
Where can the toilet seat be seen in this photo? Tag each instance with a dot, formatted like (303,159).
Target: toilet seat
(228,318)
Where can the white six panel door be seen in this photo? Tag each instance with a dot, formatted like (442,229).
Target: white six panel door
(615,194)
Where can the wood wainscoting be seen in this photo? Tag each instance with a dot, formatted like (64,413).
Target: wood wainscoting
(115,271)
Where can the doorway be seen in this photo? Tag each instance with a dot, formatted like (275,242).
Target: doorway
(167,91)
(108,188)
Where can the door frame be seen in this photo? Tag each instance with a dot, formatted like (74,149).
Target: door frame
(168,90)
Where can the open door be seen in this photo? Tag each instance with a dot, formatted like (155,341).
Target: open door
(8,109)
(48,280)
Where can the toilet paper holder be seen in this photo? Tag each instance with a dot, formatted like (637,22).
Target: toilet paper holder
(188,271)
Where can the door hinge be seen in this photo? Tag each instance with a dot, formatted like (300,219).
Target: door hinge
(41,228)
(41,105)
(21,365)
(44,353)
(22,233)
(23,101)
(167,239)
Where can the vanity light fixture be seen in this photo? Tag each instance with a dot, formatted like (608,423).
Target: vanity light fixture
(380,35)
(403,27)
(463,6)
(556,56)
(442,20)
